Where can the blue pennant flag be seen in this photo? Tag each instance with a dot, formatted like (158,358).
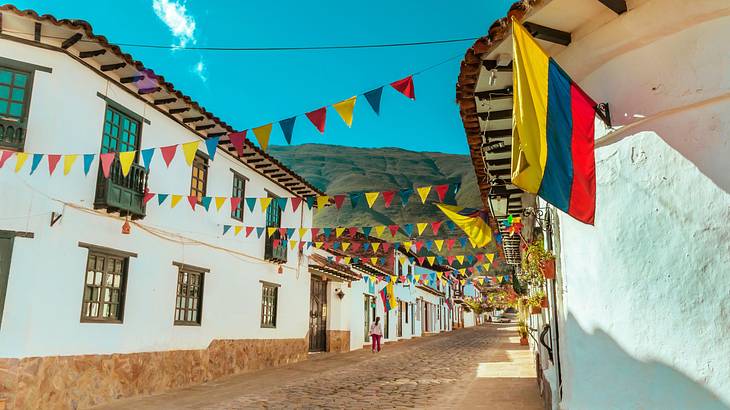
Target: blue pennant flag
(396,245)
(206,202)
(251,203)
(450,224)
(226,228)
(287,128)
(439,259)
(147,157)
(470,258)
(373,97)
(366,230)
(88,160)
(408,228)
(404,195)
(355,260)
(462,241)
(365,246)
(282,203)
(290,232)
(211,144)
(260,231)
(161,198)
(498,238)
(335,245)
(382,261)
(310,201)
(327,232)
(355,198)
(330,258)
(36,161)
(412,259)
(428,245)
(366,278)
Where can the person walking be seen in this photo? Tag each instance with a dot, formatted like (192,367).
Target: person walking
(376,333)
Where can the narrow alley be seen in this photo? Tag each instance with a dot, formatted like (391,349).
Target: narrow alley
(486,368)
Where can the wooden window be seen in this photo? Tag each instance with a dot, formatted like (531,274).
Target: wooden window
(189,298)
(239,191)
(269,301)
(121,132)
(104,287)
(199,179)
(14,93)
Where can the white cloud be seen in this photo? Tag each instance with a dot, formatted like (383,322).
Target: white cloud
(200,70)
(174,14)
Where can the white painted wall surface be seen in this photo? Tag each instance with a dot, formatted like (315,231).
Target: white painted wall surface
(645,292)
(46,276)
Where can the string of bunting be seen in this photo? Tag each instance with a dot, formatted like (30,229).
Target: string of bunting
(479,262)
(312,202)
(433,277)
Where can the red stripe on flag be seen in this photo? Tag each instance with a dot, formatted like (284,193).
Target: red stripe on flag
(583,191)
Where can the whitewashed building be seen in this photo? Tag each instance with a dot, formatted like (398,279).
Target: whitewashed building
(638,310)
(88,314)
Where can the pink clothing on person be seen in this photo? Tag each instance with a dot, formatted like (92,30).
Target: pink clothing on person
(375,329)
(376,341)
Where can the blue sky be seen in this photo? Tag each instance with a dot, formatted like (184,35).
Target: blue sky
(248,89)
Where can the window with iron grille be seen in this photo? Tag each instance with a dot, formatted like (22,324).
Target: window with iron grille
(189,298)
(269,295)
(239,191)
(15,88)
(199,179)
(104,287)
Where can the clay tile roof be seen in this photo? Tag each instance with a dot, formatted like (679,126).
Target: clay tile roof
(321,263)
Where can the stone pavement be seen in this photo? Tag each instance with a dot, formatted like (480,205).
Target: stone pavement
(482,367)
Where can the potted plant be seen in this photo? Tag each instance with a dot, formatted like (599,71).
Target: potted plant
(537,264)
(535,302)
(522,330)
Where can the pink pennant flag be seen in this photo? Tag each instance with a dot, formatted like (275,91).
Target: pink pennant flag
(54,159)
(295,202)
(5,156)
(237,139)
(435,227)
(276,243)
(147,197)
(282,232)
(450,259)
(388,198)
(168,153)
(386,246)
(450,243)
(355,246)
(249,229)
(318,118)
(421,259)
(235,202)
(393,229)
(193,200)
(405,87)
(441,191)
(339,200)
(315,232)
(352,230)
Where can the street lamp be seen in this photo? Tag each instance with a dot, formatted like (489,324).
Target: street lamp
(498,198)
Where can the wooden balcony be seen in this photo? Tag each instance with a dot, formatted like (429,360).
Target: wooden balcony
(12,134)
(122,194)
(276,254)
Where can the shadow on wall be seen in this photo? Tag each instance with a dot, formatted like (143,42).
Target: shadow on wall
(599,374)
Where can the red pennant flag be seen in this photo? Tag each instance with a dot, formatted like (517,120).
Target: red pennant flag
(295,202)
(450,243)
(282,232)
(419,245)
(237,139)
(388,197)
(249,229)
(339,200)
(402,279)
(315,231)
(168,153)
(441,191)
(480,257)
(352,230)
(450,259)
(355,246)
(446,274)
(338,258)
(405,87)
(193,200)
(276,243)
(301,245)
(7,154)
(326,245)
(421,259)
(393,229)
(385,246)
(435,227)
(147,197)
(105,163)
(235,201)
(318,118)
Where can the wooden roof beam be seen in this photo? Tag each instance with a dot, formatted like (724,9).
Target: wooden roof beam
(112,67)
(254,160)
(131,79)
(492,64)
(495,115)
(71,40)
(618,6)
(180,110)
(163,101)
(204,127)
(192,119)
(149,90)
(92,53)
(548,34)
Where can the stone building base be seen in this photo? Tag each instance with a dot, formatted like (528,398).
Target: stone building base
(338,341)
(70,382)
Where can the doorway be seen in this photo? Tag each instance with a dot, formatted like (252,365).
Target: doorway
(318,315)
(6,248)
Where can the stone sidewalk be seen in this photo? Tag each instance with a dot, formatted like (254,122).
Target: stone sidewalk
(482,367)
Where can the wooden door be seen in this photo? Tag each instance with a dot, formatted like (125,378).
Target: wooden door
(6,248)
(318,315)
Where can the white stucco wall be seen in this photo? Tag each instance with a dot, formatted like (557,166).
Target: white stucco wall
(645,297)
(45,286)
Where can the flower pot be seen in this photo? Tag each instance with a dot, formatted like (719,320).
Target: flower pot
(548,269)
(536,310)
(544,302)
(523,341)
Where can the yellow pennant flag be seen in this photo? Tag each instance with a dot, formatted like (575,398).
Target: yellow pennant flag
(439,274)
(347,259)
(219,201)
(463,282)
(374,261)
(472,221)
(421,227)
(302,232)
(486,267)
(392,278)
(292,245)
(423,193)
(270,231)
(379,230)
(189,149)
(237,230)
(345,245)
(264,202)
(402,259)
(20,158)
(338,232)
(345,109)
(376,246)
(417,277)
(318,245)
(68,163)
(459,258)
(174,200)
(125,160)
(431,260)
(462,271)
(407,244)
(439,243)
(262,134)
(371,197)
(322,201)
(490,256)
(499,278)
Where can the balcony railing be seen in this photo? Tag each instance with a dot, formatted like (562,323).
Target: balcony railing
(12,133)
(276,254)
(122,194)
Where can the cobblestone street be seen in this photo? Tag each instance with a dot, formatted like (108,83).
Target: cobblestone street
(485,368)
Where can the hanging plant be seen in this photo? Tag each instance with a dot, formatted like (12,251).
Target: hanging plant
(537,301)
(537,264)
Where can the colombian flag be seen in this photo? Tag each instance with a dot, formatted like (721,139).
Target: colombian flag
(472,221)
(388,297)
(552,131)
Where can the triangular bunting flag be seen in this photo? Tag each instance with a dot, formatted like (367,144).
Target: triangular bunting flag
(376,246)
(210,145)
(373,97)
(404,195)
(226,228)
(310,201)
(345,109)
(281,202)
(262,134)
(287,128)
(393,229)
(219,201)
(168,153)
(379,230)
(405,87)
(439,243)
(318,118)
(421,227)
(435,227)
(125,160)
(251,204)
(264,203)
(322,201)
(235,203)
(423,193)
(37,160)
(106,162)
(249,229)
(192,200)
(355,198)
(161,198)
(259,231)
(388,198)
(88,160)
(371,197)
(147,196)
(345,245)
(431,260)
(20,158)
(295,202)
(408,228)
(54,158)
(339,232)
(7,154)
(68,163)
(189,149)
(270,231)
(147,155)
(460,258)
(339,200)
(441,191)
(237,139)
(175,199)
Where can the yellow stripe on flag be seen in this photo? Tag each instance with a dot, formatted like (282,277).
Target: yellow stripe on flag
(371,197)
(20,158)
(345,109)
(68,163)
(423,193)
(189,149)
(262,134)
(125,160)
(529,111)
(475,227)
